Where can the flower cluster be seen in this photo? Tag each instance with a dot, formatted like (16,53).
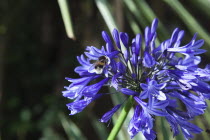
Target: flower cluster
(156,76)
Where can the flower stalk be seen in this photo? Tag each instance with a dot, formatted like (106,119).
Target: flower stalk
(121,119)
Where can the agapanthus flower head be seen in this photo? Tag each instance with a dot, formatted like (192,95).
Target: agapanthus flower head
(156,76)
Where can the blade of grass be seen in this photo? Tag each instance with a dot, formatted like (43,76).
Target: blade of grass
(203,5)
(159,128)
(65,12)
(150,15)
(207,118)
(72,131)
(189,20)
(136,12)
(201,125)
(49,134)
(207,114)
(165,131)
(98,127)
(133,24)
(106,14)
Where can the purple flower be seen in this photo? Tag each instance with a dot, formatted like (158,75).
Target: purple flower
(154,75)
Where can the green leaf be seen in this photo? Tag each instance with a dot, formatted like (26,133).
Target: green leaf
(136,12)
(99,127)
(65,12)
(133,24)
(150,15)
(72,131)
(203,5)
(106,14)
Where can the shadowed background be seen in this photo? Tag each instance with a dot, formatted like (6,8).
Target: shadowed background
(36,55)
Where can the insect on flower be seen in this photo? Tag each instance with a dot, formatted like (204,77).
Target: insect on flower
(99,65)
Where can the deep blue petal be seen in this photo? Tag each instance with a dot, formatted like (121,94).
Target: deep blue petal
(106,37)
(157,112)
(160,104)
(107,116)
(121,67)
(128,91)
(113,54)
(138,44)
(154,26)
(124,38)
(92,90)
(180,35)
(78,106)
(174,36)
(115,35)
(148,60)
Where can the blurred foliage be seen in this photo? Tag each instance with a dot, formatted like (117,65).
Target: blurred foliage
(36,55)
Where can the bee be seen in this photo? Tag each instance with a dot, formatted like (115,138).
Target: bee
(99,65)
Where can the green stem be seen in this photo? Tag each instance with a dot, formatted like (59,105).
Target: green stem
(121,119)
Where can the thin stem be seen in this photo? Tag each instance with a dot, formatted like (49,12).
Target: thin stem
(121,119)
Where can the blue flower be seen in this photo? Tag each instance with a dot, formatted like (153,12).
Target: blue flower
(154,75)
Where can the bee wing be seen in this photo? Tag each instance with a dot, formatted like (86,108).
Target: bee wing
(92,69)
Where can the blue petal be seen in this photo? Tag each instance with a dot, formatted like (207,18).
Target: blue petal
(154,26)
(74,90)
(198,44)
(174,125)
(92,90)
(160,104)
(121,67)
(151,135)
(144,95)
(113,54)
(134,60)
(157,112)
(78,106)
(180,35)
(81,59)
(115,35)
(147,36)
(148,60)
(114,81)
(124,38)
(138,44)
(128,91)
(174,36)
(107,116)
(106,37)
